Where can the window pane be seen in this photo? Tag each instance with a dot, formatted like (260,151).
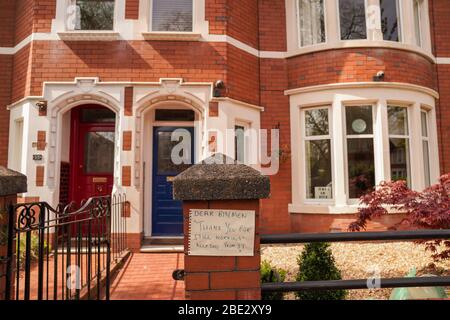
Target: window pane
(389,20)
(172,15)
(426,163)
(316,122)
(95,15)
(424,124)
(99,153)
(352,16)
(239,140)
(359,120)
(400,162)
(318,170)
(398,121)
(361,167)
(312,23)
(97,115)
(174,115)
(417,24)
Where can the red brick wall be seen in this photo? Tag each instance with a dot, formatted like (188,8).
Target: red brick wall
(7,13)
(243,21)
(272,25)
(64,183)
(216,15)
(6,67)
(443,117)
(126,61)
(440,23)
(21,72)
(242,75)
(132,9)
(222,278)
(274,215)
(357,65)
(24,19)
(43,14)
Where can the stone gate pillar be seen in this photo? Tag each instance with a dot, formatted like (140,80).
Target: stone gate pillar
(221,229)
(11,184)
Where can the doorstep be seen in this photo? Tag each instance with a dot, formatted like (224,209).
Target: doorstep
(162,249)
(163,245)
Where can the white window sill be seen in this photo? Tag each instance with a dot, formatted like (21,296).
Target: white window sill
(329,209)
(172,36)
(89,35)
(344,44)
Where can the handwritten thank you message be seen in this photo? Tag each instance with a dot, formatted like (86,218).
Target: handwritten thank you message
(221,232)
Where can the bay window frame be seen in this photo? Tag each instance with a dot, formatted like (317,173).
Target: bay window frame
(373,105)
(428,139)
(378,96)
(299,34)
(338,15)
(400,9)
(408,137)
(304,139)
(374,38)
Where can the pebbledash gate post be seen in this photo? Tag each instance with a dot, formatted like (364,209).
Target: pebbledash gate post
(221,205)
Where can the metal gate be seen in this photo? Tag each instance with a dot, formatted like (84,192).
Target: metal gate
(64,253)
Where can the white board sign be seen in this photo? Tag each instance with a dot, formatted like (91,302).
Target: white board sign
(221,233)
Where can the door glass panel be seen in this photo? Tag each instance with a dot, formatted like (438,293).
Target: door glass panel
(99,153)
(165,146)
(97,115)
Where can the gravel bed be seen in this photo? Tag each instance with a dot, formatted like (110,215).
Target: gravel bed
(361,260)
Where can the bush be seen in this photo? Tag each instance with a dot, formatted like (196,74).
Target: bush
(34,248)
(428,209)
(271,274)
(316,263)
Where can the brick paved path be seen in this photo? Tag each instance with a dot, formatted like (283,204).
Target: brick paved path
(149,277)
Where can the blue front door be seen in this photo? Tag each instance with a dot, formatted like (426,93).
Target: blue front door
(167,214)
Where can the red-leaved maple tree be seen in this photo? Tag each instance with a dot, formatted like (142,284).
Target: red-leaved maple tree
(429,209)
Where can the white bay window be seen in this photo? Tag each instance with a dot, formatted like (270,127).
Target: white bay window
(353,138)
(323,24)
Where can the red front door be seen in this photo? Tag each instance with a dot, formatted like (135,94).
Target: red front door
(92,152)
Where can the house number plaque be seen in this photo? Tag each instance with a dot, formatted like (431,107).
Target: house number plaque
(221,232)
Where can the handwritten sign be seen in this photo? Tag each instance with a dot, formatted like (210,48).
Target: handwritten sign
(221,232)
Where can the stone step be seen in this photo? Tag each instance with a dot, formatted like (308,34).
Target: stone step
(162,249)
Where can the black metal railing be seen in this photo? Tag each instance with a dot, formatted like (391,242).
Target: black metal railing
(64,253)
(359,283)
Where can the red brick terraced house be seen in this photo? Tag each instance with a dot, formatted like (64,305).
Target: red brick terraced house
(91,91)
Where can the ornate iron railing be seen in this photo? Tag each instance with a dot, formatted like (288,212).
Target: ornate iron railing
(64,253)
